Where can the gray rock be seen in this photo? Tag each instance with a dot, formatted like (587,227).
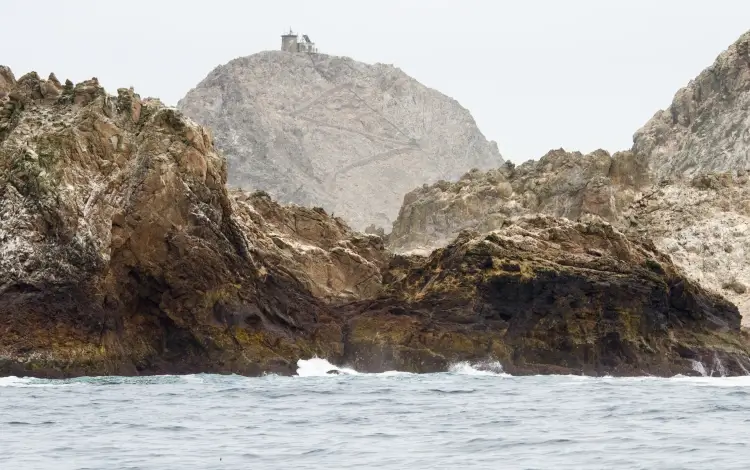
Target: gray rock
(354,138)
(564,184)
(707,126)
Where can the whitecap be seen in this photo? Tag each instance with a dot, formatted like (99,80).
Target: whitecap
(478,368)
(317,367)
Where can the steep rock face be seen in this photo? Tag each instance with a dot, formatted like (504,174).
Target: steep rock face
(122,252)
(331,261)
(705,227)
(707,126)
(564,184)
(120,249)
(329,131)
(702,223)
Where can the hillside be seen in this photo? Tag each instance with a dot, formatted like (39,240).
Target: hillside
(329,131)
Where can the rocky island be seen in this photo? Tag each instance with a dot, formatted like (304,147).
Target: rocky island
(124,253)
(685,184)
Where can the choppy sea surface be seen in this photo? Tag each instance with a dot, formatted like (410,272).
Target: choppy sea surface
(463,419)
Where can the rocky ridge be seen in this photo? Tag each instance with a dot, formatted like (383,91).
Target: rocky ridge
(124,253)
(563,184)
(320,130)
(707,126)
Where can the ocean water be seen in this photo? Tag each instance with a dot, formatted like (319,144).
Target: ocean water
(468,418)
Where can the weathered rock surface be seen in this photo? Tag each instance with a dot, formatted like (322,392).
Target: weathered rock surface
(707,126)
(329,131)
(705,227)
(122,252)
(564,184)
(702,222)
(331,261)
(696,214)
(546,295)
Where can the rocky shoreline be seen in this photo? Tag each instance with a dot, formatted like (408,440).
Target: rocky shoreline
(122,252)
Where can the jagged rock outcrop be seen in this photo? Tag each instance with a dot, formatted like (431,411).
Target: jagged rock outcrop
(564,184)
(122,252)
(707,126)
(327,131)
(331,261)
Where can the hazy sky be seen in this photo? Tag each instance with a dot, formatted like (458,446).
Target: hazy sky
(536,75)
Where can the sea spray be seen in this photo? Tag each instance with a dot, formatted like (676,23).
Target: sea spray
(699,368)
(319,367)
(478,368)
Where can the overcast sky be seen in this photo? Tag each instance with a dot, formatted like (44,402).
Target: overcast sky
(536,74)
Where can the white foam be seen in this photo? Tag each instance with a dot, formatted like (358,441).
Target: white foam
(29,382)
(317,367)
(719,367)
(193,379)
(13,381)
(479,368)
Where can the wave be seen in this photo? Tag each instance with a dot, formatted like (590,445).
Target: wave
(318,367)
(478,368)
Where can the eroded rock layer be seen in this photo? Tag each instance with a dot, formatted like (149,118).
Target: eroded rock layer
(705,227)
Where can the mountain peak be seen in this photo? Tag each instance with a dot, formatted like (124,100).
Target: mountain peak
(316,129)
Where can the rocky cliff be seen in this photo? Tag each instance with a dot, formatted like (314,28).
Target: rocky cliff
(547,295)
(122,252)
(329,131)
(564,184)
(707,126)
(703,222)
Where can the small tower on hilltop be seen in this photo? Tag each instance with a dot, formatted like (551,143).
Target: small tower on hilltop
(290,43)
